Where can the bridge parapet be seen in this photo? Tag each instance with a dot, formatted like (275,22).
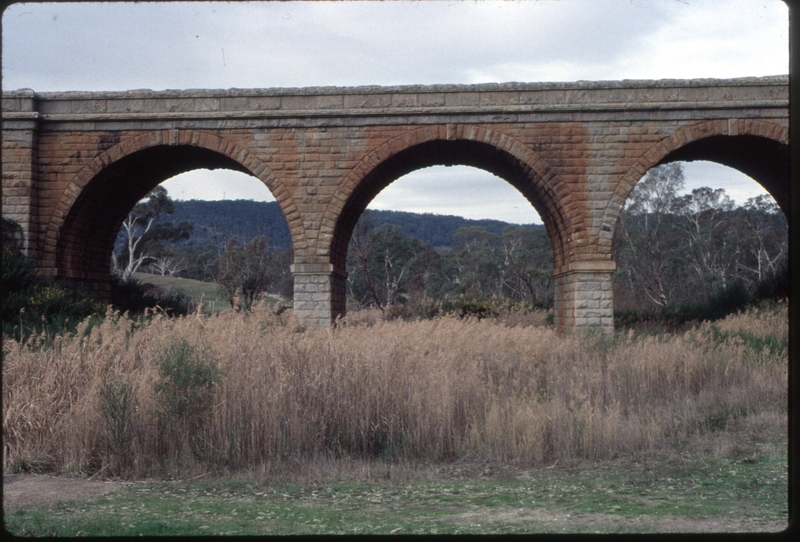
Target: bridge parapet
(169,108)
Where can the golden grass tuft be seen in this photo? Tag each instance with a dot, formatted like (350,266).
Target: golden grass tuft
(433,390)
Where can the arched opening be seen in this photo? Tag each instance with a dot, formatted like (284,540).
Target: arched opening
(764,160)
(86,239)
(500,163)
(448,153)
(218,236)
(443,233)
(703,232)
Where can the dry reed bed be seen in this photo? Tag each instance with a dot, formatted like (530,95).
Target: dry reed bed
(435,390)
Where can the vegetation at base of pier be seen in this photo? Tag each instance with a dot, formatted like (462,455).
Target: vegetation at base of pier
(33,305)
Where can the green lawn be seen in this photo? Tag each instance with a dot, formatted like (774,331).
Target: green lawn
(681,494)
(196,289)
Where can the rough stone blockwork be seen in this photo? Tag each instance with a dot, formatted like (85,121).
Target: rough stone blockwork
(75,163)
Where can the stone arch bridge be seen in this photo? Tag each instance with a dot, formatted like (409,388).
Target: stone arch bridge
(75,163)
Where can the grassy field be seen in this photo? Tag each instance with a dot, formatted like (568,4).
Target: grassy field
(686,493)
(459,424)
(196,289)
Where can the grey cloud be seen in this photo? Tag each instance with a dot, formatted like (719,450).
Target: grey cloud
(118,46)
(301,44)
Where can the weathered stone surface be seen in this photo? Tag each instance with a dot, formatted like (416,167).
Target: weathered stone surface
(576,149)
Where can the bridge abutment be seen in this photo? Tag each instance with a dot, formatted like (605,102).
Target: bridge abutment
(20,141)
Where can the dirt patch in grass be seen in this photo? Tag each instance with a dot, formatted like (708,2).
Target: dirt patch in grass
(36,490)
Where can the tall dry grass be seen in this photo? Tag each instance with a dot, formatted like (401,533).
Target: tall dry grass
(434,390)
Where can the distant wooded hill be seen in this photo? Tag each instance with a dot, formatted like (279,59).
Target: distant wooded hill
(216,221)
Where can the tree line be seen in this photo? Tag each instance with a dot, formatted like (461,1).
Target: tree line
(386,267)
(149,241)
(670,247)
(246,264)
(214,222)
(674,248)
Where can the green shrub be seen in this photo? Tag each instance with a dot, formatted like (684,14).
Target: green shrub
(52,300)
(775,286)
(132,296)
(187,377)
(32,305)
(184,392)
(175,302)
(18,271)
(729,300)
(423,308)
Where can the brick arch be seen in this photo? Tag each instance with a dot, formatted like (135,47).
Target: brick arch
(500,154)
(184,149)
(772,136)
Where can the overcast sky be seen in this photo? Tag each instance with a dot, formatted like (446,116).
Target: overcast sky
(176,45)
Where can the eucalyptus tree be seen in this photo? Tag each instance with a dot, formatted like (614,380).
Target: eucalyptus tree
(144,237)
(647,247)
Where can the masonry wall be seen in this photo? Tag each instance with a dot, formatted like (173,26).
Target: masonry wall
(584,297)
(75,163)
(19,158)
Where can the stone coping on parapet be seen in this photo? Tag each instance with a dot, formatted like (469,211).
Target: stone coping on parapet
(488,102)
(770,80)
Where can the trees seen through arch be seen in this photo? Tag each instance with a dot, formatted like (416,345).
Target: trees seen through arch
(675,247)
(671,245)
